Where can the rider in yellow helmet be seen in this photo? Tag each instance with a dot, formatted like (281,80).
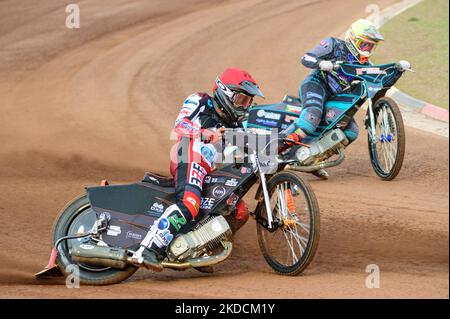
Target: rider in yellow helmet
(325,80)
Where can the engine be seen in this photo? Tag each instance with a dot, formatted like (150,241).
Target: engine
(206,236)
(322,149)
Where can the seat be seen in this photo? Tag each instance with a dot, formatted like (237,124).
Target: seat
(156,179)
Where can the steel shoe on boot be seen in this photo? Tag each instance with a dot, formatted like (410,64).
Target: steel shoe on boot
(321,173)
(205,269)
(151,261)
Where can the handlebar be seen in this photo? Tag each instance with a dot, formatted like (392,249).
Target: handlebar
(269,139)
(400,65)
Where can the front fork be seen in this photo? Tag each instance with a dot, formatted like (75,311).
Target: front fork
(262,177)
(371,122)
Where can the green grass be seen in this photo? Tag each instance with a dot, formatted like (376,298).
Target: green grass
(420,36)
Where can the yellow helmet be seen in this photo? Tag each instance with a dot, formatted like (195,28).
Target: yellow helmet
(362,38)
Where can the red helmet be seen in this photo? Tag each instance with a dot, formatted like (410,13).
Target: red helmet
(234,91)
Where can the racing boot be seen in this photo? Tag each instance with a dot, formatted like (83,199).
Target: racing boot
(147,256)
(159,237)
(321,173)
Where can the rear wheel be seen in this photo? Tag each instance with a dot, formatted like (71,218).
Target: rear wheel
(292,246)
(78,217)
(387,153)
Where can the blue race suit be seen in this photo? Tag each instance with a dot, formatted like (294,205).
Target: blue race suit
(319,86)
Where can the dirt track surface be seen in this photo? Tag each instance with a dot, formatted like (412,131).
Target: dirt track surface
(81,105)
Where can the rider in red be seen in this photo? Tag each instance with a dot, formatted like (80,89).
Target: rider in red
(199,125)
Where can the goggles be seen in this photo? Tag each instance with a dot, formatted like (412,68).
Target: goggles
(241,100)
(365,46)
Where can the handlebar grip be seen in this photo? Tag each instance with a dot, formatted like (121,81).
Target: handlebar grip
(337,65)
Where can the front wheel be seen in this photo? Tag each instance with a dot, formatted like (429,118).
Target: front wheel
(78,217)
(292,246)
(388,151)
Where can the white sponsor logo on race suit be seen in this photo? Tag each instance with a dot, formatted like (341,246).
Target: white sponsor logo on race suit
(196,175)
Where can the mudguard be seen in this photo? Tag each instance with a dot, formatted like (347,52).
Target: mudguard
(130,208)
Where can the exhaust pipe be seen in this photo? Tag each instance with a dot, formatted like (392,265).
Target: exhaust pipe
(101,256)
(315,167)
(201,261)
(119,259)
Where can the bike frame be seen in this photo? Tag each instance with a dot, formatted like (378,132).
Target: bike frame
(371,80)
(371,84)
(258,170)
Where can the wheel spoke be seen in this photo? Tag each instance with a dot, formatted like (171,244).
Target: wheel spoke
(385,155)
(304,226)
(386,131)
(299,239)
(293,249)
(390,125)
(294,256)
(389,156)
(386,134)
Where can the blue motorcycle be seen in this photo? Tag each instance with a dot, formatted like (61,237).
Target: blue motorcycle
(326,147)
